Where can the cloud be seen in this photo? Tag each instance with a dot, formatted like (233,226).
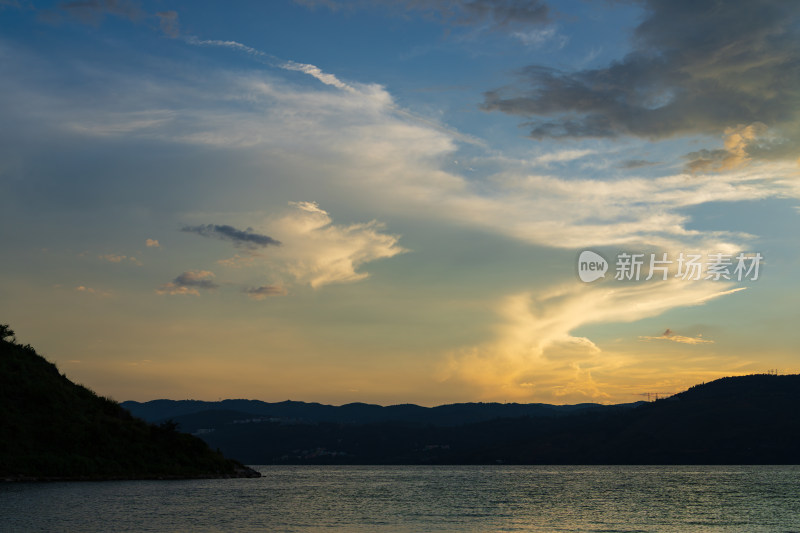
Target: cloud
(538,37)
(241,238)
(316,72)
(632,164)
(696,68)
(95,292)
(535,343)
(563,156)
(735,153)
(240,261)
(168,22)
(318,252)
(670,335)
(497,14)
(394,162)
(152,243)
(197,278)
(189,282)
(225,44)
(115,258)
(93,11)
(264,292)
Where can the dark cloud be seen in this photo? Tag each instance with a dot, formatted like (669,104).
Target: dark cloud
(241,238)
(168,22)
(703,160)
(631,164)
(499,13)
(698,67)
(265,291)
(496,13)
(189,282)
(201,279)
(93,11)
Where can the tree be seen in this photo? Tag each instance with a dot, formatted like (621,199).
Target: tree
(6,333)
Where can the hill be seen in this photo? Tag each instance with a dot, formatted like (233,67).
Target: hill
(193,413)
(53,429)
(736,420)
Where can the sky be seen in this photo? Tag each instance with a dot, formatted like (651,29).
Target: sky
(389,201)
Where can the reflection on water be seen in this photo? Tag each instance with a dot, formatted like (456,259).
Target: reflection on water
(416,498)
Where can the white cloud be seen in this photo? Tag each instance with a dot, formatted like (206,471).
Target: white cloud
(317,252)
(536,38)
(234,45)
(396,161)
(316,72)
(563,156)
(387,158)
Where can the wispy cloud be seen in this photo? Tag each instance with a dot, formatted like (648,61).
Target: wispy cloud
(95,292)
(116,258)
(497,14)
(535,343)
(242,238)
(316,72)
(152,243)
(632,164)
(563,156)
(240,261)
(189,282)
(395,163)
(265,291)
(234,45)
(670,335)
(93,11)
(538,37)
(168,22)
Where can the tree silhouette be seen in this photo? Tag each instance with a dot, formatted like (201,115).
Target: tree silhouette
(6,333)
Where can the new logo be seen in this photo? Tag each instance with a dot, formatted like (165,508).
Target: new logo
(591,266)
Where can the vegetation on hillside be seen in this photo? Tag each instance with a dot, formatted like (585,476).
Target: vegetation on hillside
(51,428)
(737,420)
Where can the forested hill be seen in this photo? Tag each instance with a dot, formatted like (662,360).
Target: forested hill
(53,429)
(196,413)
(737,420)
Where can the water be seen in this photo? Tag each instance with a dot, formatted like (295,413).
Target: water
(414,498)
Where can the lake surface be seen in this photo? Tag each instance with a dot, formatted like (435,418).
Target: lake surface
(416,498)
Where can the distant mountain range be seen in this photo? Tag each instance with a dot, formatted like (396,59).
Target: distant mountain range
(737,420)
(53,429)
(194,414)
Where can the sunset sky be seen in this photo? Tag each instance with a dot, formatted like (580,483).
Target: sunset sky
(385,201)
